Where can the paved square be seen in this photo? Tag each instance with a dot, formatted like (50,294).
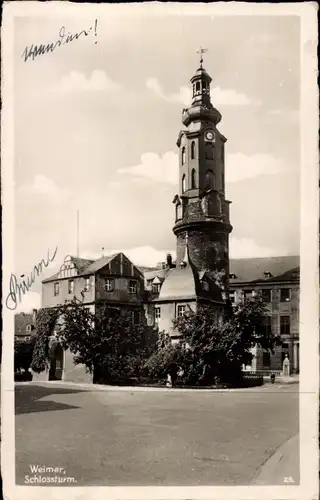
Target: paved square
(164,438)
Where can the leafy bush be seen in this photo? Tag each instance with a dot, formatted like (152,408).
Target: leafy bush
(23,354)
(45,323)
(212,353)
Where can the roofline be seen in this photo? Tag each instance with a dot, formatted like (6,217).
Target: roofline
(266,283)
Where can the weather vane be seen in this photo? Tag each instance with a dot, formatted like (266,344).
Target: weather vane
(201,51)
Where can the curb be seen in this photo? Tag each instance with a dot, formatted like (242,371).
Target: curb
(113,388)
(283,467)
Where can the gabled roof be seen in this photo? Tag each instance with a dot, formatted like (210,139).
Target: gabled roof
(88,267)
(21,320)
(99,264)
(253,269)
(81,264)
(152,273)
(179,283)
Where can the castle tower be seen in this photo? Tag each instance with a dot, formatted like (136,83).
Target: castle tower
(202,212)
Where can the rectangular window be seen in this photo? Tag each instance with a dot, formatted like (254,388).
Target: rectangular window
(266,295)
(157,313)
(285,295)
(135,316)
(284,325)
(181,311)
(132,286)
(56,288)
(247,294)
(108,285)
(232,297)
(267,325)
(71,286)
(156,288)
(266,359)
(28,328)
(86,284)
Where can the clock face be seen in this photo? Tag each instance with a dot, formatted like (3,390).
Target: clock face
(209,135)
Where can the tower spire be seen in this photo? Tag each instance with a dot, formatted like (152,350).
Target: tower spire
(201,51)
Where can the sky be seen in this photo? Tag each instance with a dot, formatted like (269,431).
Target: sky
(96,123)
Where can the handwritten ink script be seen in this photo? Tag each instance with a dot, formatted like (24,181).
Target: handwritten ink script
(64,37)
(19,289)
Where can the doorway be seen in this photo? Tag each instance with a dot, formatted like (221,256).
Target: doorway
(56,363)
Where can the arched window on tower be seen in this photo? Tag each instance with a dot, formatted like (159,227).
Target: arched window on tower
(183,155)
(210,180)
(183,183)
(208,151)
(193,150)
(198,87)
(193,179)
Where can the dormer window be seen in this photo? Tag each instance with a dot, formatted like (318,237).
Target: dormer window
(156,288)
(28,328)
(232,276)
(267,275)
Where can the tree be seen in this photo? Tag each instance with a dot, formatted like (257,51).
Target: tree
(23,353)
(166,358)
(110,343)
(45,323)
(210,350)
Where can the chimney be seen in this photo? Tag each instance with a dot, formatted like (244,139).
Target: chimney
(102,248)
(169,260)
(34,315)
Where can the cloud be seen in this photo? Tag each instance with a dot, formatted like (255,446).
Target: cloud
(140,256)
(246,247)
(32,300)
(44,187)
(156,168)
(222,97)
(149,256)
(76,81)
(288,115)
(240,166)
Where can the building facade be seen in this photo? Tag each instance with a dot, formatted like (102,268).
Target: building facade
(24,326)
(276,281)
(112,280)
